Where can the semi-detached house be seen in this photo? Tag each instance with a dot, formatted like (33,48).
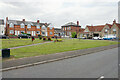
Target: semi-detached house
(16,27)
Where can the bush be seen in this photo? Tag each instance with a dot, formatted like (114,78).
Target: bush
(44,38)
(40,37)
(49,39)
(74,35)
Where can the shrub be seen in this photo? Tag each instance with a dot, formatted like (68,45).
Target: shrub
(49,39)
(58,40)
(40,37)
(74,35)
(44,38)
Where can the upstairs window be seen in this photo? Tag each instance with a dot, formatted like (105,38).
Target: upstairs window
(11,25)
(22,25)
(28,26)
(50,28)
(11,32)
(38,27)
(114,30)
(43,27)
(106,30)
(50,33)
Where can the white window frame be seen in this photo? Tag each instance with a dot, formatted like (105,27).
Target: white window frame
(50,28)
(38,26)
(29,26)
(11,25)
(43,27)
(114,30)
(51,33)
(11,31)
(22,25)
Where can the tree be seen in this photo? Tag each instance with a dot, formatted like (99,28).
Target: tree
(74,34)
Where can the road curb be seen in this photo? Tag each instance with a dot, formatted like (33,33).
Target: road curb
(52,60)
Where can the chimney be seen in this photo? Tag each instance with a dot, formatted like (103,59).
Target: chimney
(38,21)
(114,21)
(6,18)
(23,19)
(77,23)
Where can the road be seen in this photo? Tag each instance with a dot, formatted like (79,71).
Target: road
(104,63)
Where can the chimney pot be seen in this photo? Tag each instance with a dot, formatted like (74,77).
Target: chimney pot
(23,19)
(6,18)
(38,21)
(114,21)
(77,23)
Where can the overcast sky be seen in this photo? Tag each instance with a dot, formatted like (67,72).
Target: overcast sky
(60,12)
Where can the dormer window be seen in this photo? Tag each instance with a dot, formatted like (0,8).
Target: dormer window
(106,30)
(22,25)
(28,26)
(50,28)
(38,27)
(11,25)
(43,27)
(114,30)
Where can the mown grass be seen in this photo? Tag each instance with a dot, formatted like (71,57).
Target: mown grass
(55,47)
(9,43)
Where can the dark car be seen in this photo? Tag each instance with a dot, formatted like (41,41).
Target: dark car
(4,37)
(23,36)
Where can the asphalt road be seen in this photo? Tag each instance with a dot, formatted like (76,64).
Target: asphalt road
(104,63)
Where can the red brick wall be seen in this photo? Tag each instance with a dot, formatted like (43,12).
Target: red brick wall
(50,30)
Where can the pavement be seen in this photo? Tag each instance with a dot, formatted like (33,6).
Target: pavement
(103,64)
(52,57)
(30,45)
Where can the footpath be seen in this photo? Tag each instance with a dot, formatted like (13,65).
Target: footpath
(31,61)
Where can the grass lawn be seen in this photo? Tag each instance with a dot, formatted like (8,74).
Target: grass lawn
(66,45)
(9,43)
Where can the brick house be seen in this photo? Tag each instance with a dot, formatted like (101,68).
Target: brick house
(2,27)
(15,27)
(115,29)
(70,27)
(101,30)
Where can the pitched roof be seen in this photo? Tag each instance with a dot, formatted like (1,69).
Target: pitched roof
(118,25)
(1,22)
(17,22)
(96,28)
(71,24)
(109,25)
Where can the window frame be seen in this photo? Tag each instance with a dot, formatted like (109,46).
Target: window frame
(12,25)
(22,25)
(29,26)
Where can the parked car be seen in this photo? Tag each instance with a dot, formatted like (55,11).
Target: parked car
(82,37)
(4,37)
(109,37)
(23,36)
(97,38)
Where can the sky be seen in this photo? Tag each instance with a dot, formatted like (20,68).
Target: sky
(60,12)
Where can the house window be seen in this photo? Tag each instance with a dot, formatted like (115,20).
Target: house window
(106,30)
(38,27)
(50,33)
(29,32)
(11,32)
(22,31)
(43,27)
(43,32)
(22,25)
(11,25)
(28,26)
(114,30)
(50,28)
(38,32)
